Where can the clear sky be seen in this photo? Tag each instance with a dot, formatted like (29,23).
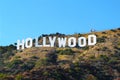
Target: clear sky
(20,19)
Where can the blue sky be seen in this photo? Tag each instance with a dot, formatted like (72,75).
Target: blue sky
(20,19)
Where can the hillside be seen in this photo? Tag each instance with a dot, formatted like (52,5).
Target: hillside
(98,62)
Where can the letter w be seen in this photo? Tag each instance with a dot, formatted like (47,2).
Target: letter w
(62,42)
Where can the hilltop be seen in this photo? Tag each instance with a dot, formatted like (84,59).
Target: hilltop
(98,62)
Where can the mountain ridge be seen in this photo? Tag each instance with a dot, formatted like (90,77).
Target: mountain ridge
(98,62)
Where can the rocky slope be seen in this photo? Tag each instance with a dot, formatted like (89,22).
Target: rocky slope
(98,62)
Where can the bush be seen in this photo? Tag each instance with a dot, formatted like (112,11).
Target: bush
(92,57)
(34,57)
(118,28)
(79,34)
(104,57)
(91,77)
(19,77)
(45,73)
(101,39)
(27,66)
(118,34)
(104,33)
(51,57)
(113,30)
(41,62)
(66,52)
(8,54)
(4,49)
(112,61)
(14,63)
(11,47)
(118,67)
(85,48)
(3,76)
(104,48)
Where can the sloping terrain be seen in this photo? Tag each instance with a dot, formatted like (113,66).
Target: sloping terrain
(98,62)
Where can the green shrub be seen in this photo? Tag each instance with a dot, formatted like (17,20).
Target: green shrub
(104,57)
(27,65)
(104,48)
(51,57)
(92,57)
(118,28)
(41,62)
(3,76)
(104,33)
(34,57)
(101,39)
(85,48)
(19,77)
(91,77)
(8,54)
(17,57)
(4,49)
(79,34)
(45,73)
(112,61)
(113,30)
(66,52)
(14,63)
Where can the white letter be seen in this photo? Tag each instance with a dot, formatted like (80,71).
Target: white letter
(92,40)
(62,42)
(52,41)
(72,42)
(28,43)
(20,44)
(82,41)
(36,43)
(44,42)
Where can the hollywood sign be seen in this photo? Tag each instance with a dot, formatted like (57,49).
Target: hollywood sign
(62,42)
